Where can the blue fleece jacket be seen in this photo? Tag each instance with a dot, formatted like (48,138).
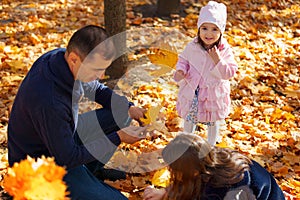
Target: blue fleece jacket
(42,120)
(258,179)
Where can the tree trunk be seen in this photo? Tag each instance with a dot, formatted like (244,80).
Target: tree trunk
(115,24)
(168,7)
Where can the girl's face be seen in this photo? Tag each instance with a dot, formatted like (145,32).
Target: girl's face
(209,33)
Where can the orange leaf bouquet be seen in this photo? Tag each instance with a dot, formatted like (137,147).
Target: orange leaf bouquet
(33,179)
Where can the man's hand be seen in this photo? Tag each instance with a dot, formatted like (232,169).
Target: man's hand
(136,113)
(214,54)
(179,75)
(132,134)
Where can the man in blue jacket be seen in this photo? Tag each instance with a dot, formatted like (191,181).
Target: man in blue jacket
(44,119)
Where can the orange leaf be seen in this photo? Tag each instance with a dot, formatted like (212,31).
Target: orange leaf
(41,179)
(161,178)
(163,57)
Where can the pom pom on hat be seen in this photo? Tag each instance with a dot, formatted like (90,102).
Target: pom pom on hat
(215,13)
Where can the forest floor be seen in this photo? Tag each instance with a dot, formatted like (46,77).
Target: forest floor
(264,122)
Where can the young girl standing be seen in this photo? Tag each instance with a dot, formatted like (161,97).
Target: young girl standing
(203,71)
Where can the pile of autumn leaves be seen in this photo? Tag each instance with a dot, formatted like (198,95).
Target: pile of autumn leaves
(267,86)
(36,179)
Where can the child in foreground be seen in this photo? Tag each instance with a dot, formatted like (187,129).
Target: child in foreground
(212,173)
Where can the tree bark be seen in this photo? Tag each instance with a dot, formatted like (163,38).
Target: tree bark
(115,24)
(168,7)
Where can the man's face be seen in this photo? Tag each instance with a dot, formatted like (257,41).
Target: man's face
(92,68)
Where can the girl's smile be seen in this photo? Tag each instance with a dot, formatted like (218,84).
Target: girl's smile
(209,33)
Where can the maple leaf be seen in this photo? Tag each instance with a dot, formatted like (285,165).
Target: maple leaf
(40,188)
(161,71)
(40,179)
(159,126)
(151,115)
(165,59)
(161,178)
(151,120)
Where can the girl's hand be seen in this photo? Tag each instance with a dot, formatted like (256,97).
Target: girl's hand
(214,53)
(152,193)
(179,75)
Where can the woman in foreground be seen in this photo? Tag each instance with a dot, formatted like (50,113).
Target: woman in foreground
(200,171)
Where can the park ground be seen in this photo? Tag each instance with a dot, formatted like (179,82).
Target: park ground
(265,119)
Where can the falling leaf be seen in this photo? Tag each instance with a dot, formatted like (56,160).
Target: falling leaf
(165,59)
(161,71)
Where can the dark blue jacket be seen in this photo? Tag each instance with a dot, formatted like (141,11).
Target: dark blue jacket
(261,182)
(41,120)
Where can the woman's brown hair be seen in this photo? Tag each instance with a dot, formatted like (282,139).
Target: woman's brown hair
(193,163)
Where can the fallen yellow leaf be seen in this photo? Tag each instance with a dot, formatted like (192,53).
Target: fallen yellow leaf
(161,178)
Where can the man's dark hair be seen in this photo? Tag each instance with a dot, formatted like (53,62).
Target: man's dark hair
(86,39)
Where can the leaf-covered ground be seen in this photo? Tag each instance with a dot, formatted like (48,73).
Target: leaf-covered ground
(265,119)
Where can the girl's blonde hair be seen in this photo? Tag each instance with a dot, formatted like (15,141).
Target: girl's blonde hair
(193,163)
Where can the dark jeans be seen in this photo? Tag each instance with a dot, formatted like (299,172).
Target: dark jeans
(82,184)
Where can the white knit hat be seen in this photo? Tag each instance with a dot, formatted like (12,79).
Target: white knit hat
(214,13)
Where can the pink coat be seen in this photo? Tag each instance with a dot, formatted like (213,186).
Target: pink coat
(213,81)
